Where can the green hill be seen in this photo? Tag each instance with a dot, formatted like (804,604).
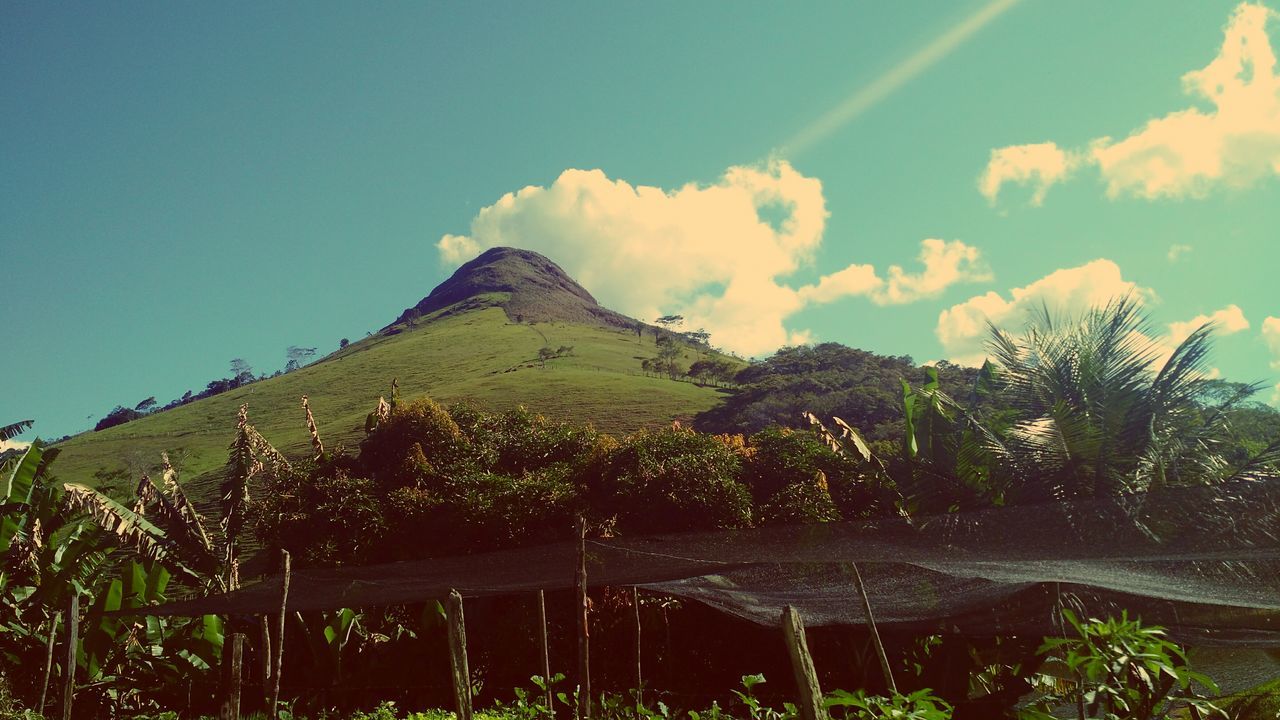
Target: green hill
(463,341)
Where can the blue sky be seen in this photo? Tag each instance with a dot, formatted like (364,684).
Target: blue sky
(185,184)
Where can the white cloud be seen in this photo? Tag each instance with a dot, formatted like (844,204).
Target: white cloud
(962,328)
(1041,165)
(704,251)
(1177,250)
(1227,321)
(1271,336)
(1189,152)
(853,280)
(13,445)
(945,264)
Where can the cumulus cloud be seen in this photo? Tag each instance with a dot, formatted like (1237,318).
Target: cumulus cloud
(1227,321)
(1271,336)
(945,264)
(1232,141)
(962,328)
(715,253)
(1040,165)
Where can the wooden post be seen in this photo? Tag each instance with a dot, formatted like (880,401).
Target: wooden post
(69,670)
(875,634)
(584,630)
(273,706)
(546,653)
(802,664)
(458,655)
(264,658)
(635,603)
(48,661)
(232,671)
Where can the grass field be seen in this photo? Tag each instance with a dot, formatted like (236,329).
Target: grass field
(478,354)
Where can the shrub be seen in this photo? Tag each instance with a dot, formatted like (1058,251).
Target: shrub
(420,422)
(671,480)
(1125,671)
(778,458)
(807,501)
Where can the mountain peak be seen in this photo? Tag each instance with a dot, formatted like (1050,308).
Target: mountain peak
(527,285)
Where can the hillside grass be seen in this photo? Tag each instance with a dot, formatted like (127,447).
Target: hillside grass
(479,354)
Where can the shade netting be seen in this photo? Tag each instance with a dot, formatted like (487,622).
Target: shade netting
(1202,561)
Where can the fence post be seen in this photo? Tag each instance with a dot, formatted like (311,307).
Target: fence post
(232,667)
(546,653)
(48,661)
(69,670)
(273,709)
(264,657)
(584,630)
(802,664)
(458,655)
(875,634)
(635,603)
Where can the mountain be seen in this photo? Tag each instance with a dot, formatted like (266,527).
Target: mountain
(526,285)
(478,335)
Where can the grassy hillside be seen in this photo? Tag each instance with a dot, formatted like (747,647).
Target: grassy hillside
(478,354)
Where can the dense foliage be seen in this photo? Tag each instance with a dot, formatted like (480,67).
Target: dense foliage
(827,380)
(435,480)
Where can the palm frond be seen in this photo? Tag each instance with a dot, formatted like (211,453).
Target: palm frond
(13,430)
(128,529)
(182,523)
(1263,465)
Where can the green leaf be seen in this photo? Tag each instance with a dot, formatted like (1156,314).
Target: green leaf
(20,481)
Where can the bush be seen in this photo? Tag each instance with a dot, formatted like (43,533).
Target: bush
(807,501)
(778,458)
(1127,671)
(421,422)
(671,480)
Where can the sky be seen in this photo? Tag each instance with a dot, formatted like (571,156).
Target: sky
(181,185)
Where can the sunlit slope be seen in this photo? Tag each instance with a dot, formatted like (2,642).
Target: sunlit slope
(478,354)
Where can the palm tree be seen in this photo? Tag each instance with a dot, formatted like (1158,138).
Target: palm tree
(1102,408)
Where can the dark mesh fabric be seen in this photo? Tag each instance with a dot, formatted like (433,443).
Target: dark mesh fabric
(1204,562)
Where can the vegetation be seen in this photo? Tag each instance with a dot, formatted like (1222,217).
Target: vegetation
(1124,671)
(479,354)
(60,540)
(433,480)
(1065,411)
(827,380)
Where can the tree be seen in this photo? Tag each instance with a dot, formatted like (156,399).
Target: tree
(668,360)
(699,336)
(670,321)
(343,343)
(241,372)
(118,416)
(297,357)
(717,370)
(146,405)
(1099,412)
